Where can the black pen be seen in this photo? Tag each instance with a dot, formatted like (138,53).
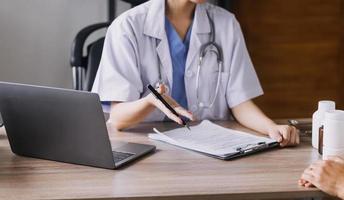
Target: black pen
(158,96)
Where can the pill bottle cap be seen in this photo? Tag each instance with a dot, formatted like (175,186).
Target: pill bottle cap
(326,106)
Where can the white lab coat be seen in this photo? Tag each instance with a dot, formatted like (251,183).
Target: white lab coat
(136,41)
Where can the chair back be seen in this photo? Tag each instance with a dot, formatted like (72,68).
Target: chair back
(94,55)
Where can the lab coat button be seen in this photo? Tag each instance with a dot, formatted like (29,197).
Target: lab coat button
(188,74)
(193,108)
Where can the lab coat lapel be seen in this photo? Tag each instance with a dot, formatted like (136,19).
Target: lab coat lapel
(163,52)
(155,27)
(200,29)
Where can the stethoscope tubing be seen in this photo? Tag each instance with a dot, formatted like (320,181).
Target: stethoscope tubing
(210,46)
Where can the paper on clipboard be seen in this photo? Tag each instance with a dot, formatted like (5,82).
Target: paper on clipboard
(210,138)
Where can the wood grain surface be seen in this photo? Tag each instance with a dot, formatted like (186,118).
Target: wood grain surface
(297,48)
(169,173)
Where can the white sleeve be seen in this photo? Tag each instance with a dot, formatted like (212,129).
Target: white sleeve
(118,77)
(243,83)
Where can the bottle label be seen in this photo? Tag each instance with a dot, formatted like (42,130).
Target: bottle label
(320,139)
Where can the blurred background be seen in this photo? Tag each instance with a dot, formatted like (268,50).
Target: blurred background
(36,37)
(297,46)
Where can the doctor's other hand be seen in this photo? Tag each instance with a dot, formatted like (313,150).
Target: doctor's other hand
(285,135)
(327,175)
(179,109)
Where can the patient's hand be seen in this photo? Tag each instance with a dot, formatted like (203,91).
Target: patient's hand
(327,175)
(285,135)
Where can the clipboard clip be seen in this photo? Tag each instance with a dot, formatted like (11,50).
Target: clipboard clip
(252,147)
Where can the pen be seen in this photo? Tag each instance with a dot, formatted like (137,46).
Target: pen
(158,96)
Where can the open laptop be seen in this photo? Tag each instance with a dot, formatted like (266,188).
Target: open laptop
(62,125)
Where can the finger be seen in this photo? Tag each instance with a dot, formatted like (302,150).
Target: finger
(170,101)
(276,136)
(307,177)
(168,113)
(173,117)
(292,141)
(297,136)
(302,182)
(308,185)
(299,182)
(286,136)
(305,182)
(180,110)
(161,89)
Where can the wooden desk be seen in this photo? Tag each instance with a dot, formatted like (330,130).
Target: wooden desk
(171,173)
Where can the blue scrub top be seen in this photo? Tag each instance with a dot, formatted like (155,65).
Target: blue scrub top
(179,50)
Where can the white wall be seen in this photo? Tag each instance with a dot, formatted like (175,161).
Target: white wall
(36,37)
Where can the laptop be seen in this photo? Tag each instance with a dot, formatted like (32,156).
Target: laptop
(62,125)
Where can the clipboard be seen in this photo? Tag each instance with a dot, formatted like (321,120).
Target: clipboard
(215,141)
(248,150)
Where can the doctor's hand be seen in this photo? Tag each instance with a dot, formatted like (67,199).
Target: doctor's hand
(179,109)
(285,135)
(327,175)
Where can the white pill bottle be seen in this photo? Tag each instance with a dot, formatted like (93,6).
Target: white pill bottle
(318,119)
(333,143)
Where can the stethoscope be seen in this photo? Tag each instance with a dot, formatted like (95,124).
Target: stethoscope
(210,46)
(1,121)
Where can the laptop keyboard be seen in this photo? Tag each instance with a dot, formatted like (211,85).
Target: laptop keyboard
(119,156)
